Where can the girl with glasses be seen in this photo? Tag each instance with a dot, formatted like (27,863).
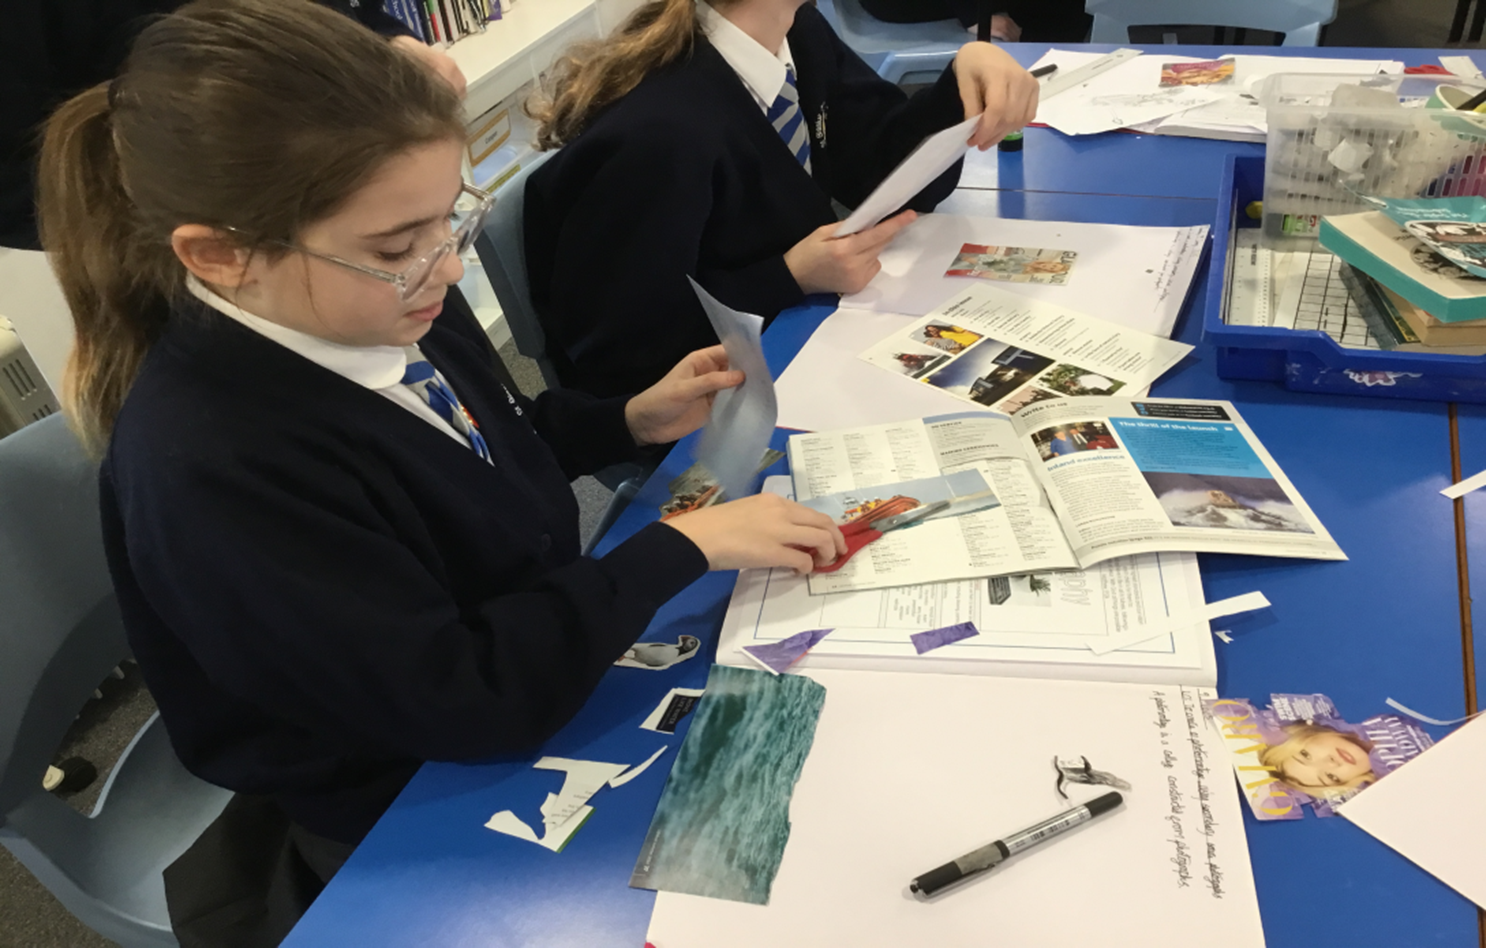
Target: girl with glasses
(341,546)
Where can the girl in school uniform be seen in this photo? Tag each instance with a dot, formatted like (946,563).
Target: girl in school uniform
(716,141)
(341,545)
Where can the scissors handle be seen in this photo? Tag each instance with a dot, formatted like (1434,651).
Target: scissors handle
(857,535)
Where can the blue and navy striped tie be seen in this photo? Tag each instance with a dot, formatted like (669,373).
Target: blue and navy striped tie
(789,121)
(421,378)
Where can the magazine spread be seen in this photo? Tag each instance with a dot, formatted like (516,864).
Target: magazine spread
(1160,474)
(1068,483)
(1001,350)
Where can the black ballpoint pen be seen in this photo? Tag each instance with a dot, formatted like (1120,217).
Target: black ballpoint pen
(992,855)
(1047,70)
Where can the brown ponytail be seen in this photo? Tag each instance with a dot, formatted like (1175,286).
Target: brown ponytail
(262,116)
(592,76)
(115,283)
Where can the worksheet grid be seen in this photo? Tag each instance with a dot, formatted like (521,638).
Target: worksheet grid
(1326,305)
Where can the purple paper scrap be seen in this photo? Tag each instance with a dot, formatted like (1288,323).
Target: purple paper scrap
(777,656)
(935,638)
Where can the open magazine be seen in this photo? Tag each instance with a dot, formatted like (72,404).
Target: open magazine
(1076,481)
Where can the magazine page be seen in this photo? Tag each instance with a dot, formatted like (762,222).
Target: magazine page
(1165,474)
(1038,625)
(869,472)
(1001,350)
(1299,751)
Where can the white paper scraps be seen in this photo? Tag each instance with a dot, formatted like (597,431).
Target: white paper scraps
(1404,811)
(1462,66)
(554,838)
(584,779)
(743,418)
(636,770)
(1233,605)
(1224,636)
(1474,482)
(675,706)
(565,811)
(1426,718)
(928,161)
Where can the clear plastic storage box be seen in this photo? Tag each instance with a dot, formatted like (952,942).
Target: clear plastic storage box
(1334,138)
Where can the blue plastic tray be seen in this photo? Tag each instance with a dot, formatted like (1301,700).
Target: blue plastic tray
(1310,360)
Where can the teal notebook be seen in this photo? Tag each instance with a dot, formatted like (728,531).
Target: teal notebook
(1377,246)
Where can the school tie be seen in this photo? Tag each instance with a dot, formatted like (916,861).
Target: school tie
(789,121)
(421,378)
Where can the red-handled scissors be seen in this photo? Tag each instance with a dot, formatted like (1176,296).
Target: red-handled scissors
(859,533)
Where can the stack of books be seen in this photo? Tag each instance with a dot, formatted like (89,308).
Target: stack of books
(440,22)
(1413,273)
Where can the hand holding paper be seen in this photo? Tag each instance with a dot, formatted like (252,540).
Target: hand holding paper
(926,162)
(681,402)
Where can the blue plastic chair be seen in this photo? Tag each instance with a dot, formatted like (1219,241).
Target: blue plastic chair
(502,252)
(1299,20)
(894,49)
(60,635)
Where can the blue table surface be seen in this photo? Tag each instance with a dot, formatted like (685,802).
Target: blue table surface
(1383,624)
(1472,434)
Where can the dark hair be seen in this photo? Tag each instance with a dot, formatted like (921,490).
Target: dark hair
(593,75)
(258,115)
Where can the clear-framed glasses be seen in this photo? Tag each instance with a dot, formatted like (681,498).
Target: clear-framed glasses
(411,281)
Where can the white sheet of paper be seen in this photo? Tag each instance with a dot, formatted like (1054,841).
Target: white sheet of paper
(869,815)
(1134,276)
(743,418)
(584,779)
(1427,811)
(928,161)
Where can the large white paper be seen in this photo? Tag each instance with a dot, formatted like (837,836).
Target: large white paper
(996,349)
(1427,810)
(954,762)
(928,161)
(1133,276)
(743,418)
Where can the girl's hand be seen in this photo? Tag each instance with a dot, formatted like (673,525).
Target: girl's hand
(994,87)
(681,402)
(761,531)
(442,64)
(824,264)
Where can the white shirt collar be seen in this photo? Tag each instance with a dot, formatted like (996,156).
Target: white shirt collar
(374,367)
(762,71)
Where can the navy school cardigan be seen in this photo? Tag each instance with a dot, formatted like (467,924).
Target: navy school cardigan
(323,590)
(685,176)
